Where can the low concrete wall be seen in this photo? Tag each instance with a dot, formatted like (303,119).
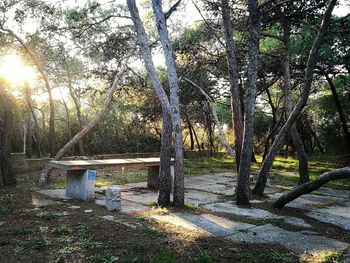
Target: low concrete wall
(21,164)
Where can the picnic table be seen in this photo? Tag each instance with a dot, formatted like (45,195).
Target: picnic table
(81,174)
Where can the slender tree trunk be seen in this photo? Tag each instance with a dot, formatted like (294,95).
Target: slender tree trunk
(313,133)
(236,108)
(307,188)
(190,128)
(243,190)
(44,175)
(179,188)
(164,101)
(310,65)
(303,163)
(6,133)
(341,114)
(165,157)
(28,96)
(197,141)
(69,129)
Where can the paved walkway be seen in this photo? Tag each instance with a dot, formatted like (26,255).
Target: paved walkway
(294,228)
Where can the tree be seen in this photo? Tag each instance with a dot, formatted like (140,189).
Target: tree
(310,65)
(170,108)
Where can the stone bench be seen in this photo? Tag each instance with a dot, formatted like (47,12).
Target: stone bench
(81,174)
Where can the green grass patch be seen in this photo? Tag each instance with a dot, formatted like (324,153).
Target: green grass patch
(152,232)
(21,231)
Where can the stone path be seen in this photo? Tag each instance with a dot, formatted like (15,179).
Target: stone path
(223,219)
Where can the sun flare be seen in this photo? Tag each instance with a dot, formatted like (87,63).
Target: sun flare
(14,70)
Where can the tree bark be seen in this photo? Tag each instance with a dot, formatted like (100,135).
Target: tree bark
(303,163)
(310,65)
(190,129)
(243,189)
(6,133)
(38,64)
(43,176)
(341,114)
(165,153)
(307,188)
(236,108)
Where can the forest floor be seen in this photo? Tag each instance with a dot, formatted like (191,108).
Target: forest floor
(35,228)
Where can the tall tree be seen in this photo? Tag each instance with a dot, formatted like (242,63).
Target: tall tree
(243,189)
(170,108)
(310,65)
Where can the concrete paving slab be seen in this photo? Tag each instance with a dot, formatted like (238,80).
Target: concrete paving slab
(295,221)
(309,201)
(212,187)
(336,215)
(113,219)
(231,208)
(195,197)
(206,223)
(333,192)
(142,198)
(295,241)
(127,206)
(55,193)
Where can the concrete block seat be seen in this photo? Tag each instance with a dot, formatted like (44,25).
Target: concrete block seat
(81,174)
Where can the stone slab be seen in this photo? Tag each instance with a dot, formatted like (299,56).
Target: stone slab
(55,193)
(195,197)
(212,187)
(126,205)
(231,208)
(295,221)
(333,192)
(336,215)
(297,242)
(81,184)
(309,201)
(206,223)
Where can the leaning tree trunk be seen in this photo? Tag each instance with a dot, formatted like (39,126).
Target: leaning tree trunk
(310,65)
(243,189)
(236,108)
(307,188)
(179,187)
(6,133)
(303,163)
(44,175)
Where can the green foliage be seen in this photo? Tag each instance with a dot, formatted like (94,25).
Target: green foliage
(203,258)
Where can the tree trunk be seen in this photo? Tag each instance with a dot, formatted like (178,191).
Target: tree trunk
(179,188)
(307,188)
(43,177)
(303,163)
(313,133)
(236,108)
(190,130)
(310,65)
(164,101)
(165,157)
(6,133)
(243,190)
(69,130)
(342,116)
